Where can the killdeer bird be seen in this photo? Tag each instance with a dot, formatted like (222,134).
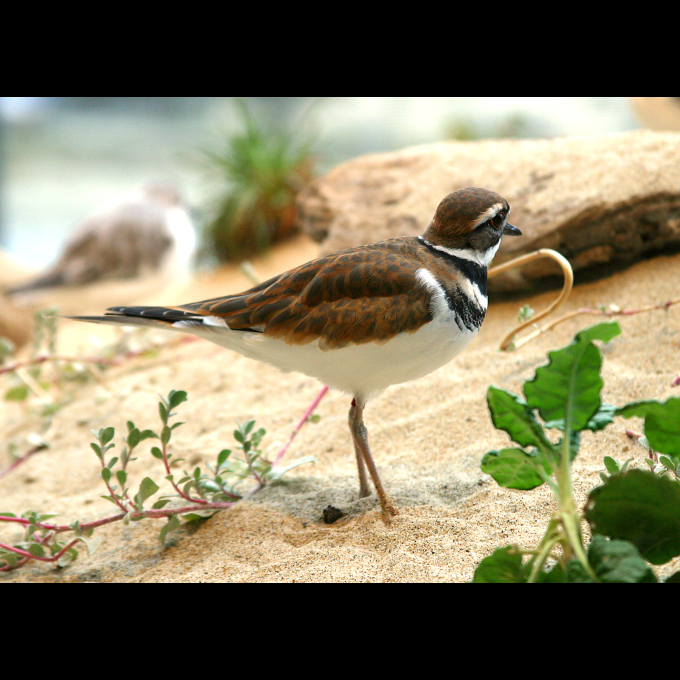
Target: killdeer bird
(146,231)
(360,319)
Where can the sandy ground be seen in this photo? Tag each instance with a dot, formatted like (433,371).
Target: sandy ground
(428,438)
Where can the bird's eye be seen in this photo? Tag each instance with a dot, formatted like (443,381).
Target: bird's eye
(498,220)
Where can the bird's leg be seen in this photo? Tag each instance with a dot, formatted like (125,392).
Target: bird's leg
(361,467)
(365,460)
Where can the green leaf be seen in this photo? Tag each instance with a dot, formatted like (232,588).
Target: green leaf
(9,558)
(669,463)
(276,472)
(662,423)
(504,565)
(568,387)
(222,457)
(36,550)
(18,393)
(157,453)
(602,417)
(121,476)
(166,434)
(147,488)
(612,465)
(513,415)
(515,469)
(639,507)
(91,544)
(613,561)
(106,474)
(170,525)
(135,436)
(104,435)
(175,398)
(604,331)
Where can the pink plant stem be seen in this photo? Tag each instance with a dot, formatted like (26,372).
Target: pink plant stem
(161,512)
(298,427)
(27,554)
(21,459)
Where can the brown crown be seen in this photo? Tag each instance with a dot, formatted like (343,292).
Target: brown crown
(458,213)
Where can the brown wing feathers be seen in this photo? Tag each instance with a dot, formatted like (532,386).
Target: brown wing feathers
(326,298)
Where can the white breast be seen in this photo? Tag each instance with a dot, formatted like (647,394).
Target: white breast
(361,370)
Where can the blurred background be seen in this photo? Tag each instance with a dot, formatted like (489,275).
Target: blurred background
(235,158)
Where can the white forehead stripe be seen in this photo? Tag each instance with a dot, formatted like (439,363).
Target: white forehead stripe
(489,213)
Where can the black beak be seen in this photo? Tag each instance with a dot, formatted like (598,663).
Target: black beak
(511,231)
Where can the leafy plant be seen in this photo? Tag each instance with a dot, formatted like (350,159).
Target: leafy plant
(260,172)
(634,516)
(196,494)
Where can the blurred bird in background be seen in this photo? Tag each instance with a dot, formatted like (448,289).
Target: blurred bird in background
(145,232)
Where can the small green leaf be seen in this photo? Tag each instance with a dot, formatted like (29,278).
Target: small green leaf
(276,472)
(147,488)
(104,435)
(106,474)
(504,565)
(667,462)
(166,433)
(515,469)
(18,393)
(604,415)
(513,415)
(612,465)
(121,476)
(639,507)
(91,544)
(36,550)
(170,525)
(175,398)
(157,453)
(8,557)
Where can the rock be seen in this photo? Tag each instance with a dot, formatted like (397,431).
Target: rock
(599,201)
